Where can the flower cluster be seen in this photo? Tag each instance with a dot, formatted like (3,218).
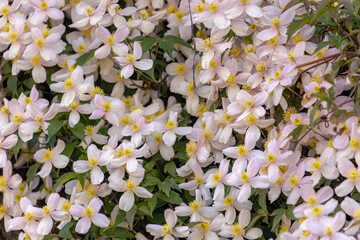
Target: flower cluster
(199,119)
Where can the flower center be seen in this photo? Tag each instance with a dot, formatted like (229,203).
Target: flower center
(28,217)
(271,158)
(241,150)
(128,152)
(214,6)
(180,69)
(353,174)
(89,129)
(354,143)
(245,176)
(312,200)
(48,154)
(294,180)
(106,106)
(317,210)
(18,118)
(195,205)
(208,43)
(228,201)
(130,58)
(5,10)
(217,176)
(190,148)
(316,164)
(236,229)
(129,185)
(66,206)
(170,124)
(13,36)
(93,161)
(88,211)
(46,211)
(69,83)
(3,183)
(135,127)
(276,22)
(39,42)
(166,229)
(110,40)
(44,5)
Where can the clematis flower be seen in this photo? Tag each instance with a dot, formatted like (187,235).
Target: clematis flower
(352,174)
(170,128)
(51,157)
(6,144)
(129,187)
(95,159)
(42,45)
(49,212)
(89,214)
(129,61)
(249,7)
(137,130)
(111,41)
(109,107)
(71,87)
(207,229)
(8,182)
(168,230)
(44,8)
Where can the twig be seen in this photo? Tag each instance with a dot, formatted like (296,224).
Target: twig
(318,60)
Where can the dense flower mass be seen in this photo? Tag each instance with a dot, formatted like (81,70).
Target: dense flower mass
(180,119)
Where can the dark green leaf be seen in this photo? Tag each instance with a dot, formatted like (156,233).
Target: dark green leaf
(12,84)
(173,197)
(119,218)
(147,43)
(54,127)
(69,148)
(296,25)
(80,61)
(170,167)
(165,186)
(78,131)
(17,147)
(31,172)
(177,40)
(64,178)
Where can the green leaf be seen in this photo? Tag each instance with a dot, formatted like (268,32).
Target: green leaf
(170,167)
(78,131)
(54,127)
(357,102)
(278,213)
(322,45)
(65,232)
(152,203)
(150,181)
(64,178)
(313,112)
(167,46)
(296,25)
(177,40)
(12,84)
(31,172)
(119,218)
(173,197)
(80,61)
(165,186)
(69,148)
(147,43)
(298,131)
(17,147)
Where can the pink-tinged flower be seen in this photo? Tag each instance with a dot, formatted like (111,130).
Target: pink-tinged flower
(17,117)
(43,9)
(180,70)
(341,139)
(111,41)
(6,143)
(91,134)
(247,6)
(16,37)
(327,228)
(75,108)
(8,182)
(212,69)
(229,204)
(321,166)
(247,104)
(232,81)
(209,47)
(168,230)
(214,14)
(272,159)
(28,221)
(109,107)
(170,128)
(71,87)
(129,61)
(236,231)
(129,187)
(197,209)
(207,229)
(295,182)
(137,130)
(245,177)
(89,16)
(95,160)
(241,153)
(262,66)
(216,179)
(352,174)
(312,199)
(351,208)
(48,213)
(320,210)
(353,149)
(156,144)
(40,103)
(129,156)
(42,45)
(6,11)
(89,214)
(278,25)
(38,120)
(51,157)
